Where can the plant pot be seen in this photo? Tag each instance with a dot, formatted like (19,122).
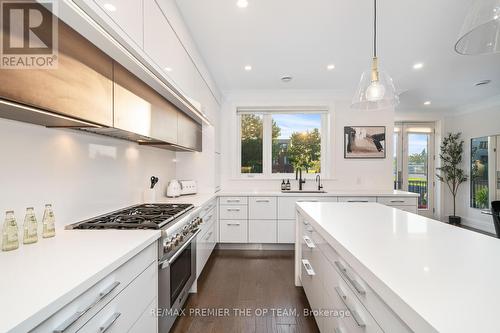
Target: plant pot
(454,220)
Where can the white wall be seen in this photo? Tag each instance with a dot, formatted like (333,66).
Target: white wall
(346,174)
(473,121)
(81,174)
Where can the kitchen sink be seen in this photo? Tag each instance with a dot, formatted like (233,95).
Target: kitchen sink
(304,191)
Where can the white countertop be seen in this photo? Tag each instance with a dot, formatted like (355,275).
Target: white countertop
(333,193)
(36,280)
(446,275)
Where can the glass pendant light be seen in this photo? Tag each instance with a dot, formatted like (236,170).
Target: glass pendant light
(481,30)
(376,90)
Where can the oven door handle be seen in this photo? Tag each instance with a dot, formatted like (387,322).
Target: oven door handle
(167,262)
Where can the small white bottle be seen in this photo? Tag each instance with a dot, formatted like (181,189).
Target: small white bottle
(49,222)
(30,227)
(10,234)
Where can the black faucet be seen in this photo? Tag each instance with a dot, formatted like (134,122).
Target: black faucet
(298,176)
(318,180)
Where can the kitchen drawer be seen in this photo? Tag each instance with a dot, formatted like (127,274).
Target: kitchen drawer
(286,231)
(409,209)
(397,201)
(233,200)
(357,199)
(233,212)
(100,294)
(286,205)
(205,210)
(262,231)
(343,297)
(233,231)
(262,208)
(124,310)
(146,322)
(208,219)
(387,319)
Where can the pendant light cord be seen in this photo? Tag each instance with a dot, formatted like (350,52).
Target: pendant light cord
(374,28)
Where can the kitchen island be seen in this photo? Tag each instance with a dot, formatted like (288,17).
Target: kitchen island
(395,271)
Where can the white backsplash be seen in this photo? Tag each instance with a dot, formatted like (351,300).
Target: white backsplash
(81,174)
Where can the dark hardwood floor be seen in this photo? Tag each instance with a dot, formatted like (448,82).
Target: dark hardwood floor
(253,281)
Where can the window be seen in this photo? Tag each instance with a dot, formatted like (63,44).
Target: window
(275,143)
(479,181)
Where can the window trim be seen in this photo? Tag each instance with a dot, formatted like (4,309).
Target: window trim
(267,113)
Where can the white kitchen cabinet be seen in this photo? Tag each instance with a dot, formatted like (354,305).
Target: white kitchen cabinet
(233,231)
(397,201)
(233,212)
(286,231)
(233,200)
(205,244)
(126,308)
(262,208)
(286,205)
(128,16)
(144,323)
(165,49)
(97,298)
(262,231)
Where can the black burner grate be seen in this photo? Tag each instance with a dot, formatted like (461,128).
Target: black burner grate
(147,216)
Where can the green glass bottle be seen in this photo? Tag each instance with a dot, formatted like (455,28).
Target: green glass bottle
(10,234)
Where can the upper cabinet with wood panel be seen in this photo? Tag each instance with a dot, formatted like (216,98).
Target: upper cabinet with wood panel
(80,87)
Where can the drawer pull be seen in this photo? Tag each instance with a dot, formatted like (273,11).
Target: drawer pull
(308,267)
(71,320)
(357,200)
(305,222)
(355,315)
(262,200)
(338,330)
(233,200)
(111,320)
(209,235)
(309,229)
(397,201)
(309,242)
(308,201)
(233,224)
(210,217)
(359,289)
(233,209)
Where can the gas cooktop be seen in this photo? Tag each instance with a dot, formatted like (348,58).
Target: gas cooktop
(146,216)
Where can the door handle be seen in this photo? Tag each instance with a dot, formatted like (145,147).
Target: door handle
(108,323)
(359,289)
(355,315)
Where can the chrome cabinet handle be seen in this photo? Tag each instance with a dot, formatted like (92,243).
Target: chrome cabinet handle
(359,289)
(357,200)
(309,242)
(305,222)
(308,201)
(355,315)
(233,200)
(111,320)
(235,224)
(397,201)
(262,200)
(77,315)
(233,209)
(210,217)
(308,267)
(209,235)
(338,330)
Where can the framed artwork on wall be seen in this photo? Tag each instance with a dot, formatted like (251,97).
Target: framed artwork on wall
(364,142)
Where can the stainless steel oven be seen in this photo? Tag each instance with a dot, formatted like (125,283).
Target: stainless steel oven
(177,273)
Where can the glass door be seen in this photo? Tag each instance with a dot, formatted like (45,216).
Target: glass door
(414,163)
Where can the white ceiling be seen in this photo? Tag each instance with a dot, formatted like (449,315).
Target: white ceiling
(299,38)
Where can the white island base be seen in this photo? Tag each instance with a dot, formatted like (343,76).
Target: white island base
(394,271)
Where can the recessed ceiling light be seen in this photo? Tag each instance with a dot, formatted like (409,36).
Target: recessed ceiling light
(109,7)
(242,3)
(330,67)
(286,78)
(418,65)
(482,83)
(248,68)
(168,69)
(427,103)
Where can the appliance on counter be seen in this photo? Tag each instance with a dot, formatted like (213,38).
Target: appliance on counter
(188,187)
(179,225)
(173,188)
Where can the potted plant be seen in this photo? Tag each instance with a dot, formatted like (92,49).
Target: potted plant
(450,173)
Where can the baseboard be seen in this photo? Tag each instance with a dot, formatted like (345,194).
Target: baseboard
(265,247)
